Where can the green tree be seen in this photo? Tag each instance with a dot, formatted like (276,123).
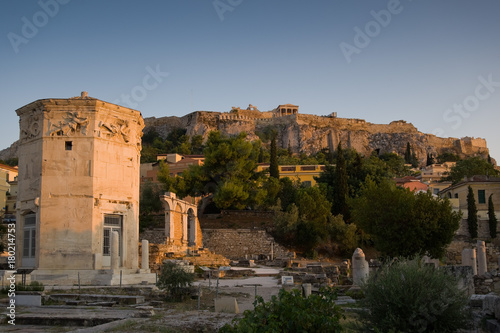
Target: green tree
(228,173)
(408,153)
(274,170)
(430,159)
(395,165)
(343,236)
(197,144)
(10,161)
(303,220)
(290,312)
(164,177)
(3,230)
(340,195)
(448,157)
(492,219)
(409,296)
(149,204)
(175,280)
(470,167)
(471,213)
(402,223)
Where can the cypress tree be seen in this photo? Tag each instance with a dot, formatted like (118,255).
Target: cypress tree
(274,170)
(408,153)
(430,159)
(471,214)
(492,219)
(339,205)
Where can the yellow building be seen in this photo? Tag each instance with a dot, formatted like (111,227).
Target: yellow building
(7,174)
(482,187)
(303,173)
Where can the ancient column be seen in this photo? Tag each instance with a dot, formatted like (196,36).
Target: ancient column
(360,268)
(169,224)
(145,254)
(469,259)
(307,289)
(184,228)
(115,252)
(482,266)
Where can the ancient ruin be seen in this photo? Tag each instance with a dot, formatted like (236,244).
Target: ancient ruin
(308,133)
(78,199)
(182,229)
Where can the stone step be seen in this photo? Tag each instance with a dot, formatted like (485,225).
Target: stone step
(72,316)
(118,299)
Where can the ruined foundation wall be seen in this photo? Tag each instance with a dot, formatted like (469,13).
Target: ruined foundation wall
(238,243)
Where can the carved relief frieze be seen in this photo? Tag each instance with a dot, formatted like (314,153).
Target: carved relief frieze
(31,125)
(118,129)
(71,124)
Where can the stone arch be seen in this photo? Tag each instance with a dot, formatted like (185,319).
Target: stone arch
(181,222)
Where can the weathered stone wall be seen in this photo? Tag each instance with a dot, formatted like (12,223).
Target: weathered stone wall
(454,253)
(154,236)
(483,230)
(238,243)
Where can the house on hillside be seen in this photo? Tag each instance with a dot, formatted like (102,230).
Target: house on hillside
(412,183)
(304,173)
(8,174)
(482,187)
(433,175)
(177,163)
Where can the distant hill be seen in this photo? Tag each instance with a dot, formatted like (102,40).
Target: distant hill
(310,133)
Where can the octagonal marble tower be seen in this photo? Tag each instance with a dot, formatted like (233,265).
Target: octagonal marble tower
(79,163)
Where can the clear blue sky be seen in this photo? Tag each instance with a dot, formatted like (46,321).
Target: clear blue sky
(429,63)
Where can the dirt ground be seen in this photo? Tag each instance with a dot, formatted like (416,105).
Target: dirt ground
(188,316)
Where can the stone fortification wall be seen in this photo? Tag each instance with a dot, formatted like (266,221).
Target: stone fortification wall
(242,243)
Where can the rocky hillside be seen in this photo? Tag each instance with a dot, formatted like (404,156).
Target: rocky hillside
(309,133)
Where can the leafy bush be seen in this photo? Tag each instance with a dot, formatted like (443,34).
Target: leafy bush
(175,280)
(33,286)
(290,312)
(409,296)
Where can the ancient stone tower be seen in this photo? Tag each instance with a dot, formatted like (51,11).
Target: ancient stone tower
(79,161)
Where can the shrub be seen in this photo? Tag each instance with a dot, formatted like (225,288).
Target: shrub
(290,312)
(409,296)
(175,280)
(33,286)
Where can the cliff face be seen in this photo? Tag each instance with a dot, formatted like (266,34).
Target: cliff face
(309,133)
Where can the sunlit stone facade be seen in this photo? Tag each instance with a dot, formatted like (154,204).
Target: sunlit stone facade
(79,162)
